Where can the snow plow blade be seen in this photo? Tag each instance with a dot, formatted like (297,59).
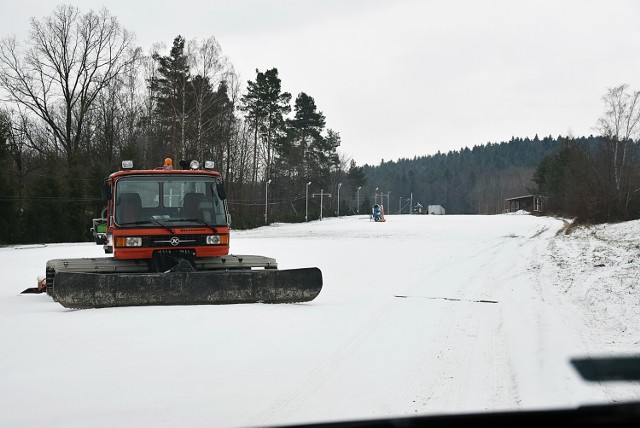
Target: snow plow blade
(81,290)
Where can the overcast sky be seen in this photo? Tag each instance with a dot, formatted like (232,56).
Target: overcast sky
(402,78)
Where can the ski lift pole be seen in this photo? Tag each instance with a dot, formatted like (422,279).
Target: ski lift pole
(322,194)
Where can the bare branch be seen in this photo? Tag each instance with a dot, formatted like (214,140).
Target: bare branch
(71,58)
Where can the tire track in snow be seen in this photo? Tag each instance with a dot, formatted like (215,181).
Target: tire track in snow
(485,328)
(467,364)
(464,374)
(550,326)
(326,371)
(298,396)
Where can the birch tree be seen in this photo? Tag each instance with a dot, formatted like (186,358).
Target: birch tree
(620,125)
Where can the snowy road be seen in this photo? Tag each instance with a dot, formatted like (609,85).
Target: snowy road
(425,300)
(418,315)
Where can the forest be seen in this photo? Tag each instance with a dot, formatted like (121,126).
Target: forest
(80,97)
(592,179)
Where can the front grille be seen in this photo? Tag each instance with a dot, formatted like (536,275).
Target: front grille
(163,260)
(165,241)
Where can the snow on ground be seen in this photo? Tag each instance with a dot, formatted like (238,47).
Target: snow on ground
(418,315)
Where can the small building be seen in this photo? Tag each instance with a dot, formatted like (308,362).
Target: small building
(530,203)
(417,208)
(435,209)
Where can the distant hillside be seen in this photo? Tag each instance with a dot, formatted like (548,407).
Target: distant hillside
(468,181)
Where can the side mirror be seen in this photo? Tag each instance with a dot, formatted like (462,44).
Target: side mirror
(220,189)
(99,230)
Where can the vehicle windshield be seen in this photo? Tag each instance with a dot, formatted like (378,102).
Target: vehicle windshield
(169,200)
(430,208)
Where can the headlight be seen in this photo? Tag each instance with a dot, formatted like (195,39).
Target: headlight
(194,164)
(131,241)
(217,240)
(213,240)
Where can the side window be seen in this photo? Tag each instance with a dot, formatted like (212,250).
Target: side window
(219,212)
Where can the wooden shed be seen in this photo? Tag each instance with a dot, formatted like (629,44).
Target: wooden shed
(531,203)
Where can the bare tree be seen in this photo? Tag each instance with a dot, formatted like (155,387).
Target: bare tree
(151,148)
(232,126)
(207,62)
(112,122)
(620,126)
(70,59)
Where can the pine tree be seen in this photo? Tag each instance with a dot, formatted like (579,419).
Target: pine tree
(356,175)
(307,126)
(171,93)
(266,105)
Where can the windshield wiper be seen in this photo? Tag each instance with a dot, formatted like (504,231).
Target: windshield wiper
(140,222)
(153,220)
(198,220)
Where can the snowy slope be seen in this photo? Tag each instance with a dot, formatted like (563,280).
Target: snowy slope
(418,315)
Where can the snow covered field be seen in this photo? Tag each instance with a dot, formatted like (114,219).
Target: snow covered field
(418,315)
